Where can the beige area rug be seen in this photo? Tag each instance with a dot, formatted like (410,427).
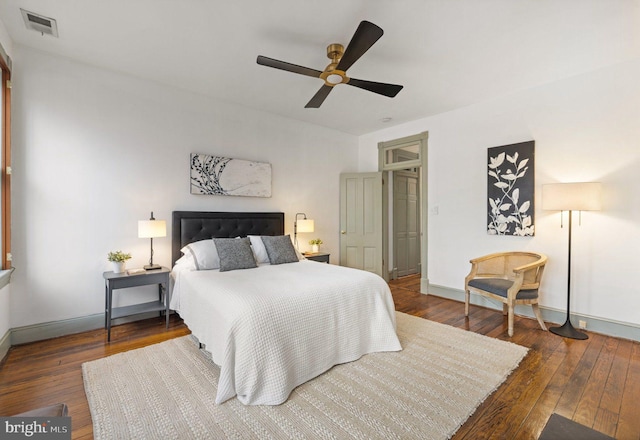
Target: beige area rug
(426,391)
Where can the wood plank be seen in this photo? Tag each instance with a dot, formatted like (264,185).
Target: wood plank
(628,420)
(577,383)
(546,403)
(612,398)
(591,397)
(606,420)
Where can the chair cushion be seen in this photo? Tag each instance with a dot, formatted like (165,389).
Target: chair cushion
(499,286)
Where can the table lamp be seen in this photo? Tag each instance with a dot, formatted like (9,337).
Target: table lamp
(152,228)
(302,225)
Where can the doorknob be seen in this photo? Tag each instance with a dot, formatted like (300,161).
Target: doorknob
(343,232)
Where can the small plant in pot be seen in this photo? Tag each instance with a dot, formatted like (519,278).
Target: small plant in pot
(118,258)
(315,245)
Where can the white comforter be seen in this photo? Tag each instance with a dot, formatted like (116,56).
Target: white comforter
(273,328)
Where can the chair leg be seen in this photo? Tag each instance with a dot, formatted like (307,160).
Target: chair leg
(510,319)
(505,309)
(536,311)
(467,297)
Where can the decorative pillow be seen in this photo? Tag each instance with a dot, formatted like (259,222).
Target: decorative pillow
(203,253)
(259,250)
(234,254)
(280,249)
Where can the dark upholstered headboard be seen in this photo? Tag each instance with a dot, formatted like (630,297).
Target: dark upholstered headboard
(190,226)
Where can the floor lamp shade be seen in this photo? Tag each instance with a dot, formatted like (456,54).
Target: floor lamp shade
(583,196)
(152,228)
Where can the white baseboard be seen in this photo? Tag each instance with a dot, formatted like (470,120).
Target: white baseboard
(595,324)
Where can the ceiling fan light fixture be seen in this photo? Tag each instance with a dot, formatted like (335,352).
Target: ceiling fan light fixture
(334,79)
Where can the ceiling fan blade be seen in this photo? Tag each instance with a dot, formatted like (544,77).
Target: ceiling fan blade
(389,90)
(270,62)
(319,97)
(365,36)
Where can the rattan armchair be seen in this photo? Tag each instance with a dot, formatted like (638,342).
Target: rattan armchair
(510,277)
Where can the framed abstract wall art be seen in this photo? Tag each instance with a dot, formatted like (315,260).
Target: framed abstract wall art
(510,189)
(217,175)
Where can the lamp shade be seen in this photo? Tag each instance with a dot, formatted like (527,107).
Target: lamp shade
(581,196)
(305,225)
(152,228)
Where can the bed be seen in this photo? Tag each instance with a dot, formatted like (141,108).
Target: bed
(273,327)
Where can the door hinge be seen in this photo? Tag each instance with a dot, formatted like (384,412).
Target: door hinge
(8,171)
(8,84)
(9,257)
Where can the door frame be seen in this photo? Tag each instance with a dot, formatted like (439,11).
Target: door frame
(422,164)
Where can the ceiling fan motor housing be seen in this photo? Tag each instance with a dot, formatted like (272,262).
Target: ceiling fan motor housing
(334,52)
(331,75)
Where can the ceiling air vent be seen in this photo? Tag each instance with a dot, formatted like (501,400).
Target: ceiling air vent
(40,23)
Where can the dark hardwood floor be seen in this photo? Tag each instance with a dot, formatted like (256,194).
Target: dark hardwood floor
(594,382)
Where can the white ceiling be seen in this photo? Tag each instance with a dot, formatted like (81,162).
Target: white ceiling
(447,54)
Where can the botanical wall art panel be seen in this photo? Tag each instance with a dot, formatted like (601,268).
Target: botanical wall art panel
(510,189)
(229,177)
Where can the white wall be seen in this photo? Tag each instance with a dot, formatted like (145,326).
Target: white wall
(6,41)
(5,293)
(586,128)
(95,151)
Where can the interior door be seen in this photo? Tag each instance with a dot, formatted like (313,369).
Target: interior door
(361,221)
(406,223)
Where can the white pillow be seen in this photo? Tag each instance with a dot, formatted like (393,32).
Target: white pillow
(258,249)
(184,263)
(203,253)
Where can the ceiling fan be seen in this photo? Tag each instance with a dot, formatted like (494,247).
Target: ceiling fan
(336,72)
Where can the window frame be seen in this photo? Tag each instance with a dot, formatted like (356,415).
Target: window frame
(5,160)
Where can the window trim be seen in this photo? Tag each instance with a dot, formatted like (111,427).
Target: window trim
(5,177)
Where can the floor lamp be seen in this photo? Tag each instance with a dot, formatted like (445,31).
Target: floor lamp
(584,196)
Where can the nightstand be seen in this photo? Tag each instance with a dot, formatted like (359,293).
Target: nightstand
(123,280)
(318,256)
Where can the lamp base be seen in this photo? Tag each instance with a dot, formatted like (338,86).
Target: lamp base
(568,331)
(152,267)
